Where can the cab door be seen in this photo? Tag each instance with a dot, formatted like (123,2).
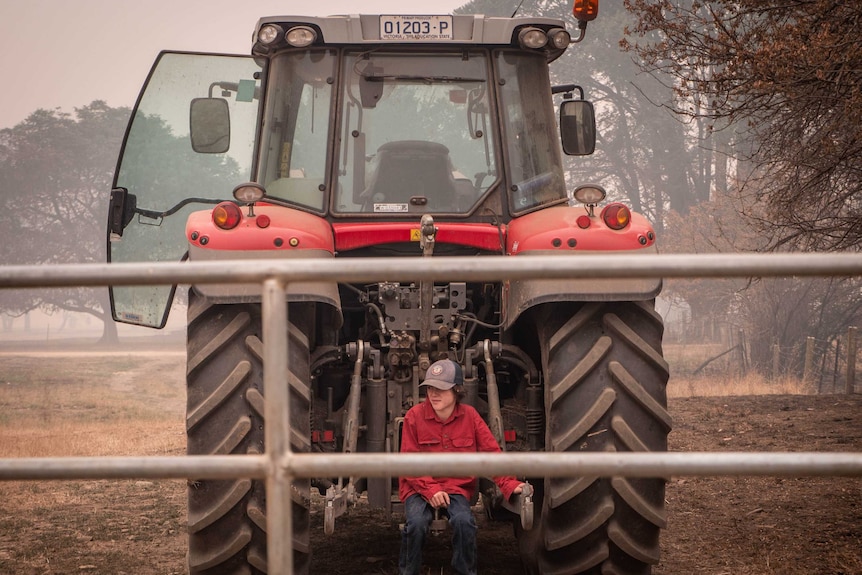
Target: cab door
(167,169)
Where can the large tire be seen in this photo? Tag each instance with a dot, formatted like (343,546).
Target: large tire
(225,414)
(605,391)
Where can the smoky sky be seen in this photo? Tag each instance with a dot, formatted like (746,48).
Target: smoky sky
(59,54)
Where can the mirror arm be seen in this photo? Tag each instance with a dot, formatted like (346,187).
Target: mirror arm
(582,32)
(567,89)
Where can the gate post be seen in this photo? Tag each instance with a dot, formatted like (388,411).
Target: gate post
(279,520)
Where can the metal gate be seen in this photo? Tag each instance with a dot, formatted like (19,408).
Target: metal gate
(278,465)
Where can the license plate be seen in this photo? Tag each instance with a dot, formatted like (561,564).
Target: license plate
(416,28)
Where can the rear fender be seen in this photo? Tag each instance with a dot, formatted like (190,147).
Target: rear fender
(290,234)
(555,231)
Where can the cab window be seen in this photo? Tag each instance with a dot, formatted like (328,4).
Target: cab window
(296,132)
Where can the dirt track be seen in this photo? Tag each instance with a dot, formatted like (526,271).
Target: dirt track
(718,526)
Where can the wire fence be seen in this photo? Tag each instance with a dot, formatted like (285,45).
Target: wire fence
(722,348)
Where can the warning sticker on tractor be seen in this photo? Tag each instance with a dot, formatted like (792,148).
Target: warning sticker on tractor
(391,208)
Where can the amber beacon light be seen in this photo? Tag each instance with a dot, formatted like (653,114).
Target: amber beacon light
(586,10)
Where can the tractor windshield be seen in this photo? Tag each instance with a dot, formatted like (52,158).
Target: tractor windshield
(415,133)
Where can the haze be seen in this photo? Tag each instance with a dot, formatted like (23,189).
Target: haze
(67,54)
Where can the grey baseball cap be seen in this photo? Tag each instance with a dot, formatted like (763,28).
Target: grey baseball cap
(444,374)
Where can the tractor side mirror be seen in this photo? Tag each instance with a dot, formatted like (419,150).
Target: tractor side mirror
(578,127)
(209,125)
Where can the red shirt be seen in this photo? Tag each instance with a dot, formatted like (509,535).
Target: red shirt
(465,430)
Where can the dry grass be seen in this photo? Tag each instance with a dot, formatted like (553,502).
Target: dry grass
(88,405)
(129,404)
(752,384)
(55,406)
(93,439)
(721,377)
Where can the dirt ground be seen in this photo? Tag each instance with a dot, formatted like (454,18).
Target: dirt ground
(716,526)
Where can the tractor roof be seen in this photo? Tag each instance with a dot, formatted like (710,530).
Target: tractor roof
(364,29)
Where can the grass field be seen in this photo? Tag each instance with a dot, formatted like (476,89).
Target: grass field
(84,403)
(91,405)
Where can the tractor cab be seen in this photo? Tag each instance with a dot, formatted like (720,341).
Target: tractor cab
(347,119)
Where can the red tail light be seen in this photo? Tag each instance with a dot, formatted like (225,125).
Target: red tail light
(616,216)
(227,215)
(583,221)
(263,221)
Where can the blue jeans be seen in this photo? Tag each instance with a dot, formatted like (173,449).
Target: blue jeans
(419,515)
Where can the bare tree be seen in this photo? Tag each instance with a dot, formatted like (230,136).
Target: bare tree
(786,77)
(772,311)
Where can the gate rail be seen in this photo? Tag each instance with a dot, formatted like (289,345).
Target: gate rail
(278,465)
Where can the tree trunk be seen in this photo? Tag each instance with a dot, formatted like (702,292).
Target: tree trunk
(109,331)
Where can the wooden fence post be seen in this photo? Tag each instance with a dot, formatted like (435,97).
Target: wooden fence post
(743,368)
(851,360)
(776,361)
(835,366)
(809,360)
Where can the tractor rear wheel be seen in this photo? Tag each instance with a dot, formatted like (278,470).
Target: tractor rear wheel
(225,414)
(605,391)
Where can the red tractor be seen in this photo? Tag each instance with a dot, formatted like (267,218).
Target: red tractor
(396,136)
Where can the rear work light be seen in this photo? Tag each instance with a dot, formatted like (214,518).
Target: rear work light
(559,38)
(590,194)
(269,33)
(249,193)
(616,216)
(532,38)
(227,215)
(301,36)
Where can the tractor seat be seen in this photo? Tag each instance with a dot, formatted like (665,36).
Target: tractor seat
(412,172)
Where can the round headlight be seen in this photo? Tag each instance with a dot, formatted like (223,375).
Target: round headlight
(268,33)
(532,38)
(249,193)
(301,36)
(590,194)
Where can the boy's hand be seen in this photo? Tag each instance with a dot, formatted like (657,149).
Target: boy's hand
(440,499)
